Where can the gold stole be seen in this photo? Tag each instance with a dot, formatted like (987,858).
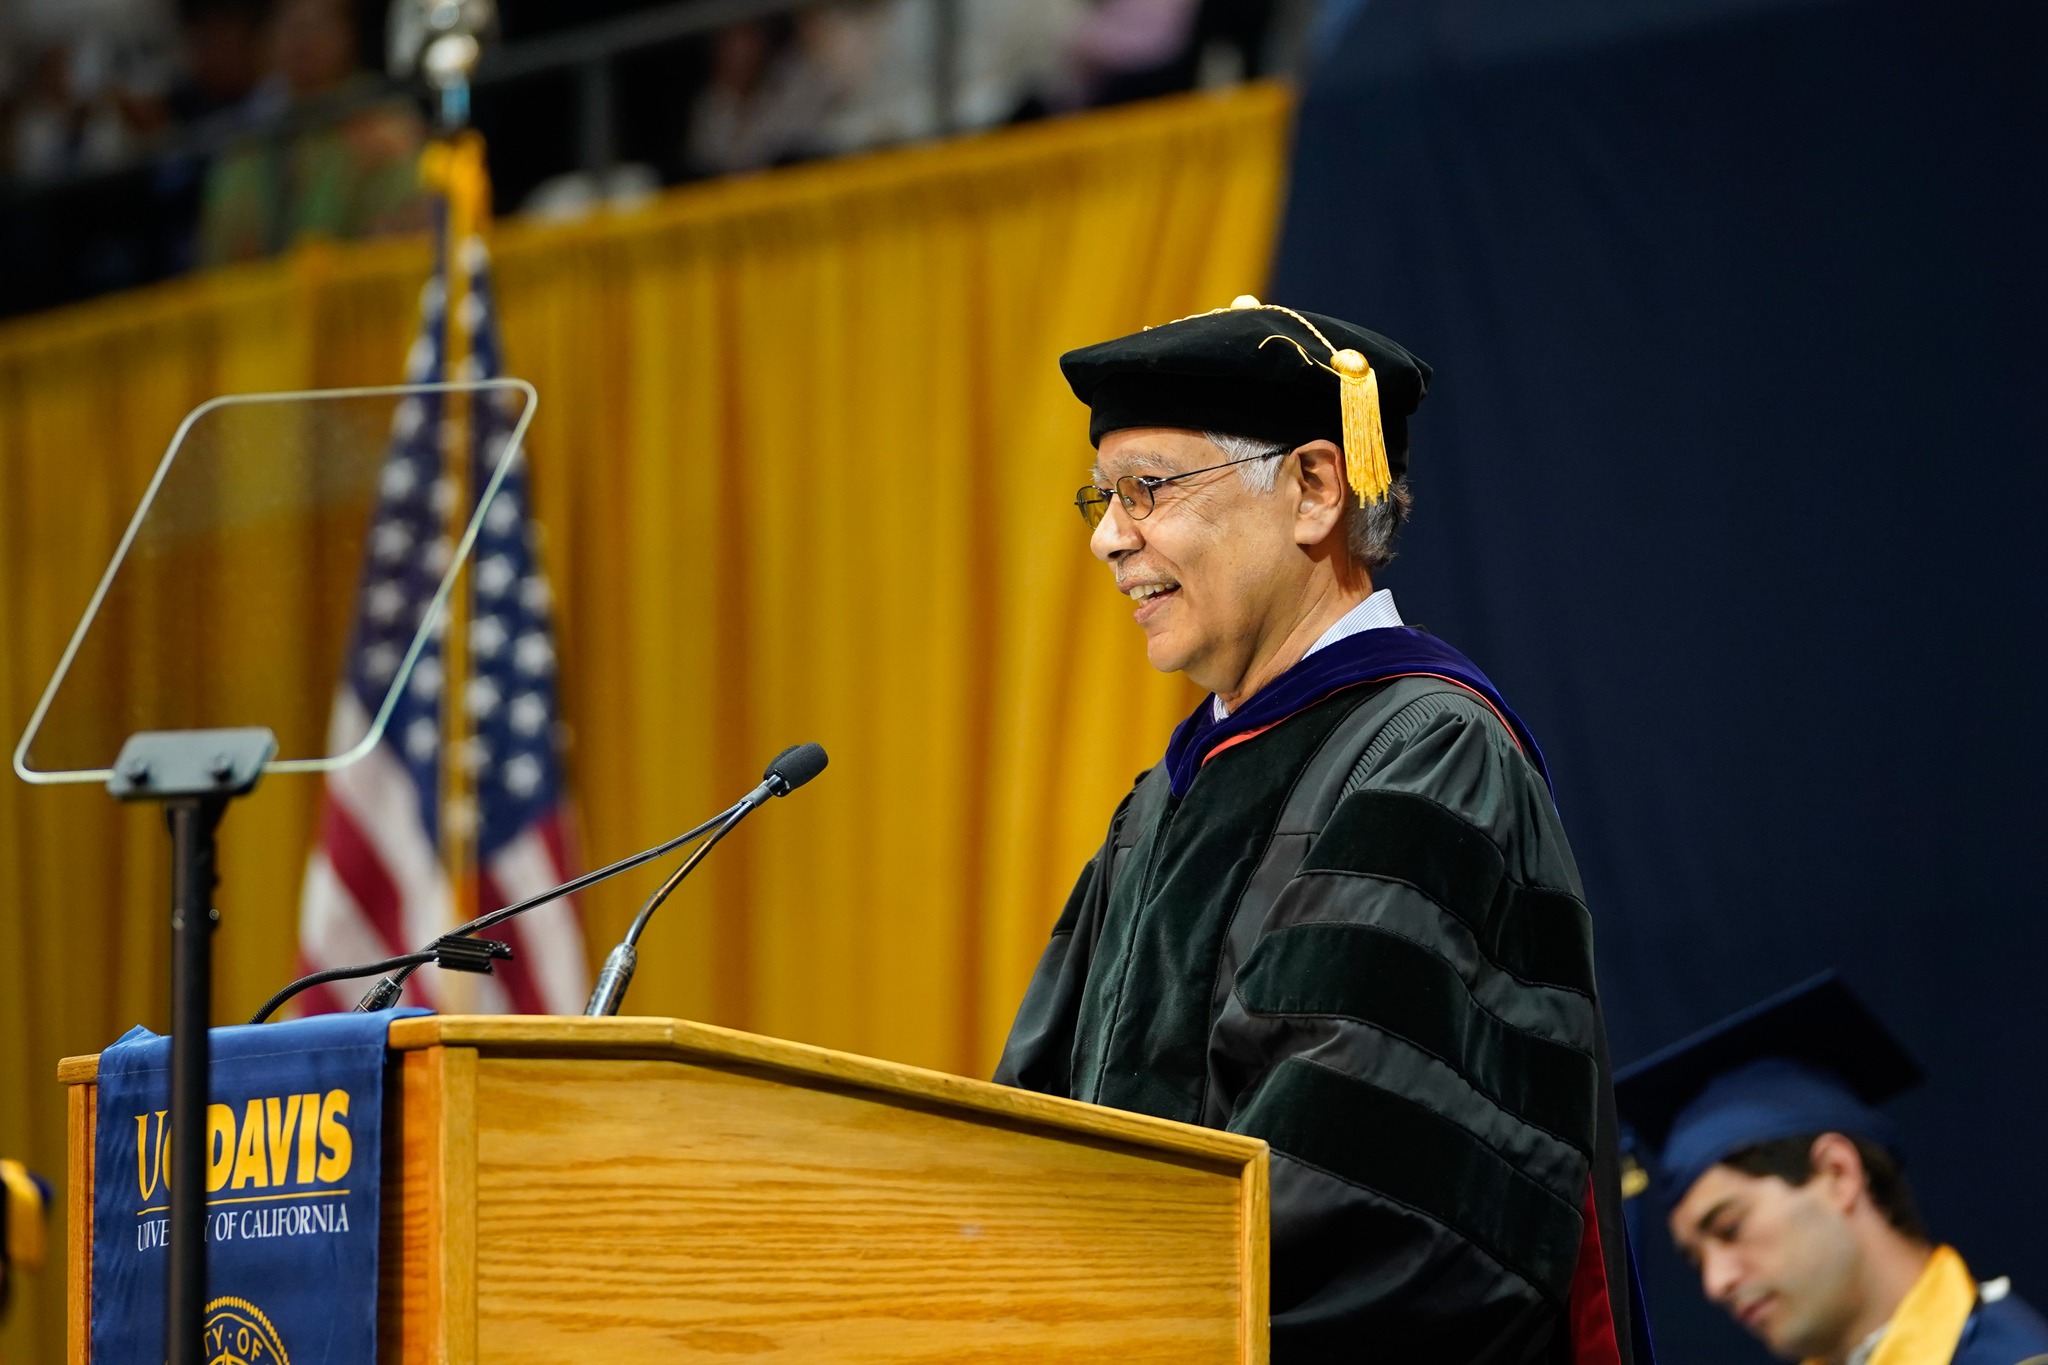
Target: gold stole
(1931,1318)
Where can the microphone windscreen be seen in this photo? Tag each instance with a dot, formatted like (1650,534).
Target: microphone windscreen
(797,765)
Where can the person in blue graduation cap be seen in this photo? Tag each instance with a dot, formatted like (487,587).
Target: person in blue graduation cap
(1340,913)
(1782,1180)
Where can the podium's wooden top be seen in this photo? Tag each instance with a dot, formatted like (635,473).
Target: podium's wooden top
(679,1040)
(652,1190)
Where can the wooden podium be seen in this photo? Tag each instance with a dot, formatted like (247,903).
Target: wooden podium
(649,1190)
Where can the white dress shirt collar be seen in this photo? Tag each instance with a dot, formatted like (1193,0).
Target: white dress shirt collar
(1376,612)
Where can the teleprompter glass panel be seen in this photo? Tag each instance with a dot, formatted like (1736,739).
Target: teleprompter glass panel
(274,529)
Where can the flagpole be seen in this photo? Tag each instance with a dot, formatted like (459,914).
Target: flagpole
(458,797)
(480,729)
(456,164)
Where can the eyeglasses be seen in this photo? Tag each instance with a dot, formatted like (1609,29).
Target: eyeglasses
(1135,491)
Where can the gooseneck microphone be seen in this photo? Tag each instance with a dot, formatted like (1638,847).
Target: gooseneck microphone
(457,950)
(789,770)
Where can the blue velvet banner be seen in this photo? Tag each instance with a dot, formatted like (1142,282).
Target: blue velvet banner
(294,1146)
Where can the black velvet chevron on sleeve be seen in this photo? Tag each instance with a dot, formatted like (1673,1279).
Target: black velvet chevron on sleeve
(1540,935)
(1418,1023)
(1368,974)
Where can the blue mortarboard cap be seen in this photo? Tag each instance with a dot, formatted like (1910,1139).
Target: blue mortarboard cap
(1813,1059)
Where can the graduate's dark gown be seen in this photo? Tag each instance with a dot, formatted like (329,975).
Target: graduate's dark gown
(2007,1332)
(1400,999)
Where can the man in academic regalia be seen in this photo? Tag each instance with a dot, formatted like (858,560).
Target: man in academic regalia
(1782,1183)
(1340,914)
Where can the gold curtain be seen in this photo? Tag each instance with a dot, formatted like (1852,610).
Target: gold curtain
(803,463)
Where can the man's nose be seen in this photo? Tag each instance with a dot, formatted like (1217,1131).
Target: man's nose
(1115,534)
(1720,1276)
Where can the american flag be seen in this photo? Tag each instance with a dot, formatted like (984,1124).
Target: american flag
(377,883)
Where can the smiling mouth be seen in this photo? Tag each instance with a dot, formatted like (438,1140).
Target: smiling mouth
(1752,1313)
(1150,598)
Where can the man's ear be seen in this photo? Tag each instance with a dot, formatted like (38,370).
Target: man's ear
(1838,1164)
(1322,492)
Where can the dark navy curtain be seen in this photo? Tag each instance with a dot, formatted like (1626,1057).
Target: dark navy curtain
(1733,477)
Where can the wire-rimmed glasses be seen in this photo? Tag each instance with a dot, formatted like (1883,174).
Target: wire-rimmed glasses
(1136,490)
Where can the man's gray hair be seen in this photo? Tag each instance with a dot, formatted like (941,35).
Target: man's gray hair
(1369,531)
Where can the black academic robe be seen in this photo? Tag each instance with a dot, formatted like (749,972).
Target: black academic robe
(1396,992)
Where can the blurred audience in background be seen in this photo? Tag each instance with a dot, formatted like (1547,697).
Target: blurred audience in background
(758,106)
(222,43)
(857,74)
(83,83)
(351,175)
(139,138)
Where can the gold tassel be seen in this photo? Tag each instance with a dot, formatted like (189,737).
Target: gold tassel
(1365,439)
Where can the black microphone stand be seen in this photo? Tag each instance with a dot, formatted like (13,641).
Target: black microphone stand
(787,771)
(456,950)
(385,993)
(610,991)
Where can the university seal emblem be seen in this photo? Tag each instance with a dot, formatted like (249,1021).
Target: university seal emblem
(237,1333)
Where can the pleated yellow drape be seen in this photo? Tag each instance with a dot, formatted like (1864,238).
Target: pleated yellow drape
(803,462)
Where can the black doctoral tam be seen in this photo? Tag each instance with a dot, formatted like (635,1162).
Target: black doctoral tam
(1256,370)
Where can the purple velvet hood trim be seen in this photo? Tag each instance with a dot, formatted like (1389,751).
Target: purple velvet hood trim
(1370,656)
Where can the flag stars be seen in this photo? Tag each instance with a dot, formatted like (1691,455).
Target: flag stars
(495,576)
(390,542)
(506,691)
(398,481)
(422,739)
(406,420)
(380,661)
(419,361)
(528,714)
(533,655)
(487,636)
(503,516)
(384,601)
(522,775)
(438,555)
(427,677)
(482,696)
